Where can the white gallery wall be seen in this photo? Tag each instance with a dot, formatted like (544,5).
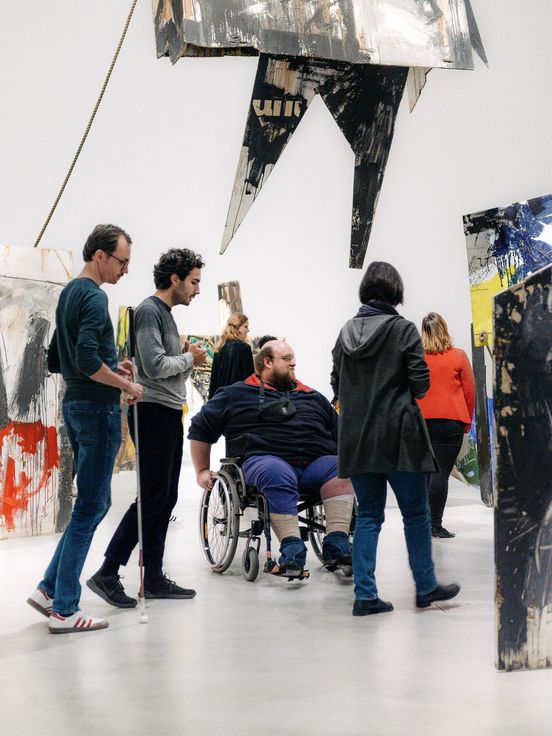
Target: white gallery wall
(161,157)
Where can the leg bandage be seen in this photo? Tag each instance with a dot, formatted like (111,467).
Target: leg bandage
(338,510)
(285,525)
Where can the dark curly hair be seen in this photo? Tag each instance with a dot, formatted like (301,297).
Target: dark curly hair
(176,260)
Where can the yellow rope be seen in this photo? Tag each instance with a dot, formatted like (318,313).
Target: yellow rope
(84,137)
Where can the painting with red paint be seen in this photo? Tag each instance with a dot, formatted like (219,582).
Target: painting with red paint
(35,455)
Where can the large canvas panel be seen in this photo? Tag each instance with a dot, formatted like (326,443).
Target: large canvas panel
(523,512)
(35,455)
(424,33)
(504,245)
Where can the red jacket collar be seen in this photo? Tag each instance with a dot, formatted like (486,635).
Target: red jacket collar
(254,380)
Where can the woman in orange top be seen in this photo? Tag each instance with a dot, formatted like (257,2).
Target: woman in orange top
(447,408)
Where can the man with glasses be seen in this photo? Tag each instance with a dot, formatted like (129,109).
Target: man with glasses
(83,351)
(163,367)
(287,433)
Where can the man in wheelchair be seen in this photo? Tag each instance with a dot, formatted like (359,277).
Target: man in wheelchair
(287,434)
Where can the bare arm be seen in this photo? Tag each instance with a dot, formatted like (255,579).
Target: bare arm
(201,458)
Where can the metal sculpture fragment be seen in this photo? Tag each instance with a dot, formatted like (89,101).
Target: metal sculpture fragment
(359,55)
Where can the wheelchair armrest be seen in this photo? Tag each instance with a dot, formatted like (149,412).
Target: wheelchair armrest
(236,460)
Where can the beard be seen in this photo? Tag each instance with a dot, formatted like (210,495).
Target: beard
(283,383)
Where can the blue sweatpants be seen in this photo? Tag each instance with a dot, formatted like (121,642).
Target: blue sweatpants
(281,483)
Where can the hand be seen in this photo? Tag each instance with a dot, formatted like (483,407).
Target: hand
(133,392)
(186,346)
(126,368)
(205,479)
(198,353)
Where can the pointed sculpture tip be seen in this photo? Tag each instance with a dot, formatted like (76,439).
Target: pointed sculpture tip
(225,243)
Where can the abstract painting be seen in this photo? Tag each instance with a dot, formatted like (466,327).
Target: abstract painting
(200,376)
(126,456)
(504,244)
(523,511)
(36,461)
(358,55)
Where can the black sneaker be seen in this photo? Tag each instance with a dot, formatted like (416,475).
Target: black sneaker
(441,593)
(165,588)
(439,532)
(376,605)
(110,589)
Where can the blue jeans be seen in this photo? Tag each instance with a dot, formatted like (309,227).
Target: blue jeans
(94,431)
(411,492)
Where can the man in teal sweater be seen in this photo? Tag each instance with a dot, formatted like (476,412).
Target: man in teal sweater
(83,351)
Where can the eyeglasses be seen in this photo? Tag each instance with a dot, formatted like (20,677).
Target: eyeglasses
(124,263)
(287,358)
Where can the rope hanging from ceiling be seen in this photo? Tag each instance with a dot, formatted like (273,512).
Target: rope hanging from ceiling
(91,120)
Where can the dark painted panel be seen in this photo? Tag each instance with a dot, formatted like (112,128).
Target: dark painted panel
(363,100)
(523,515)
(482,423)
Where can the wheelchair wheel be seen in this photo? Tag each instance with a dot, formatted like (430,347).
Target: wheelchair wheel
(219,522)
(317,528)
(250,564)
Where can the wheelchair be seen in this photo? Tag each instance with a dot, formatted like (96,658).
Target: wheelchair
(222,510)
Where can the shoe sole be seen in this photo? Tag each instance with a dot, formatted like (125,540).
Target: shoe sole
(373,612)
(74,630)
(168,596)
(95,588)
(38,607)
(427,604)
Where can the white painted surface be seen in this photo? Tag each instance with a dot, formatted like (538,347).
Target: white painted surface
(36,264)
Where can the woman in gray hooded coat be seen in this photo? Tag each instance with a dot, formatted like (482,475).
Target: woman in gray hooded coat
(379,371)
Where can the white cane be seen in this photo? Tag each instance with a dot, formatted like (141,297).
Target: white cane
(132,352)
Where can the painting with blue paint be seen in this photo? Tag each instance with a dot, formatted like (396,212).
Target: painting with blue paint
(505,245)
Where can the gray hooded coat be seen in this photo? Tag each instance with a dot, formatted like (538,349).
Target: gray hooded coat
(379,371)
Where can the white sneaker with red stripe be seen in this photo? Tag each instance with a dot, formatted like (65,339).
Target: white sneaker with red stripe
(79,621)
(41,602)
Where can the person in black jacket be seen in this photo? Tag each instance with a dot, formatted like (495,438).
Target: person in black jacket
(379,371)
(287,434)
(233,359)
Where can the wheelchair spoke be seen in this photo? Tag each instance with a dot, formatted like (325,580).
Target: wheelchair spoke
(219,525)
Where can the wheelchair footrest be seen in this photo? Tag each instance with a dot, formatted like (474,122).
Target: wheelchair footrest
(285,572)
(333,565)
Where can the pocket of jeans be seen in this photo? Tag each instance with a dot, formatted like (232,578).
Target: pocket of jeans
(86,425)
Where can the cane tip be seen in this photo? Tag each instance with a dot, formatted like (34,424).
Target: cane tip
(144,618)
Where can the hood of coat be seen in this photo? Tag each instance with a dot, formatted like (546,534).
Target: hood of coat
(366,332)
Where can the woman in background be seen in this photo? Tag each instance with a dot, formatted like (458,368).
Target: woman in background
(447,408)
(379,368)
(233,359)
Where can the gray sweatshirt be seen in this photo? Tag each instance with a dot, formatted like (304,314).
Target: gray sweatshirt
(162,366)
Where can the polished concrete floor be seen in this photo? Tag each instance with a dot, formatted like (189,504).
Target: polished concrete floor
(268,657)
